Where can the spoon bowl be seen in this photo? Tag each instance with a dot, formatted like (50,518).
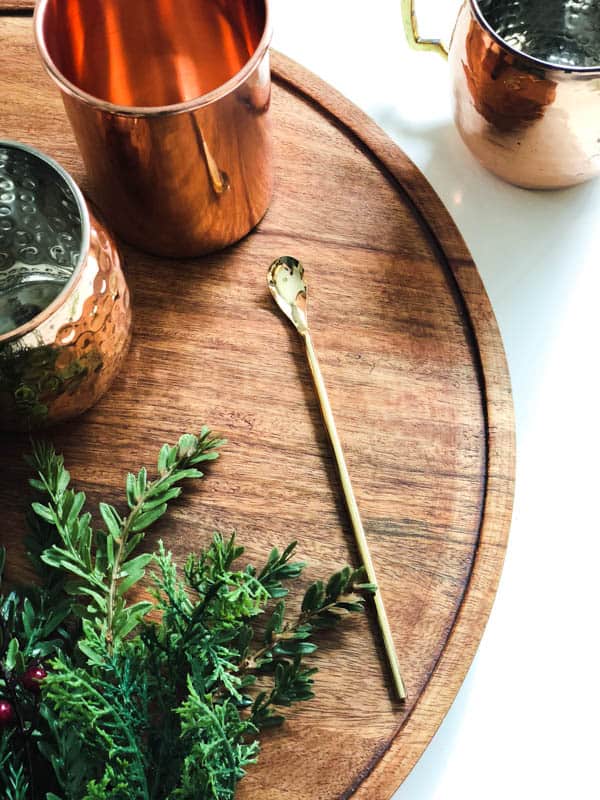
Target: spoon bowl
(290,291)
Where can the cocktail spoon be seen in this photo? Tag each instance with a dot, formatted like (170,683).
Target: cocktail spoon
(289,289)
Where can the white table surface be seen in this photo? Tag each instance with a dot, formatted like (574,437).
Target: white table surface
(524,724)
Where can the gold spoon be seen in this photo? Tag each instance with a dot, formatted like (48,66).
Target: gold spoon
(289,290)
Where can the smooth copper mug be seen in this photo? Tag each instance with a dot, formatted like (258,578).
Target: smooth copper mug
(526,81)
(65,316)
(169,101)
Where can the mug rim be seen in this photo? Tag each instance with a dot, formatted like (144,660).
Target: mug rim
(49,310)
(193,104)
(538,62)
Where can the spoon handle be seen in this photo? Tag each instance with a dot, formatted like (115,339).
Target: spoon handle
(357,525)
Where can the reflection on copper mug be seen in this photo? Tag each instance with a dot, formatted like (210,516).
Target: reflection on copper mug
(526,81)
(169,102)
(65,316)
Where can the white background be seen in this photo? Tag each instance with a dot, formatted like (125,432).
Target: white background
(525,722)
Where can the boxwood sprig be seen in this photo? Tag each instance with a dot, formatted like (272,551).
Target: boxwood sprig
(104,566)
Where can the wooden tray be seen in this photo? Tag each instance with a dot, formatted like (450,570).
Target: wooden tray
(418,380)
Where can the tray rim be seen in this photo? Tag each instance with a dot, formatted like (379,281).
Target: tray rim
(388,770)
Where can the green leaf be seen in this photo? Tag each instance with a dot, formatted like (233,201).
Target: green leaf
(335,585)
(213,456)
(63,482)
(94,657)
(142,483)
(165,497)
(12,655)
(28,617)
(110,551)
(294,648)
(176,477)
(133,571)
(369,588)
(187,445)
(313,597)
(163,458)
(112,520)
(275,623)
(76,507)
(139,563)
(132,618)
(147,518)
(44,512)
(131,487)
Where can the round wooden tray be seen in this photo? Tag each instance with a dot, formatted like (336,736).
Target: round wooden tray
(418,381)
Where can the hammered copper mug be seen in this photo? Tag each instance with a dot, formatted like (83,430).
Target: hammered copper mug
(169,101)
(526,85)
(65,316)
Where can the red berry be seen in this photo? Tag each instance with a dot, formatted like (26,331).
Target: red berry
(7,714)
(32,679)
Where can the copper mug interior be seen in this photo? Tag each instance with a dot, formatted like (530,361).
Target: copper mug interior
(169,103)
(561,32)
(153,53)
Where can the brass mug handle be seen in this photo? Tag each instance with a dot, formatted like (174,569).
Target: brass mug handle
(411,29)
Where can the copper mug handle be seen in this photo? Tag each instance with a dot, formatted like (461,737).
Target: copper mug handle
(411,29)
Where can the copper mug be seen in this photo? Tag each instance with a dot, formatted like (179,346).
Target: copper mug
(65,316)
(526,84)
(169,101)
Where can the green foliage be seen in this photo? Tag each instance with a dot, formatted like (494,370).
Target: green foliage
(161,707)
(218,748)
(102,567)
(32,629)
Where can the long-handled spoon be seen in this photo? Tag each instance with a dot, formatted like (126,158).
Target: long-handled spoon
(289,290)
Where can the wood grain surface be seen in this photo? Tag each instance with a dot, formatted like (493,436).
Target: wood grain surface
(17,5)
(418,380)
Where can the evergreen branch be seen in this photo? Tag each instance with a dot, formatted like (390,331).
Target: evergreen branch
(219,751)
(91,703)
